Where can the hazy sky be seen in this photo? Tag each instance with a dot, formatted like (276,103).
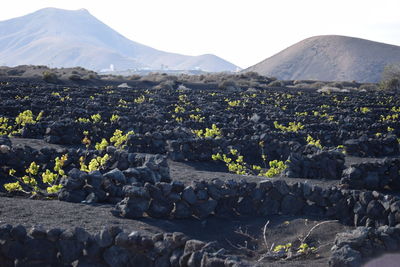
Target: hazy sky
(244,32)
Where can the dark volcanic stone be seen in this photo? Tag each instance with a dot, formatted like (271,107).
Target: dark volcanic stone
(54,234)
(117,256)
(214,192)
(193,245)
(116,175)
(159,209)
(132,208)
(225,206)
(345,257)
(269,207)
(135,191)
(81,234)
(352,173)
(77,174)
(177,186)
(359,208)
(104,238)
(75,196)
(37,231)
(71,183)
(189,195)
(92,249)
(18,232)
(292,204)
(87,262)
(354,239)
(70,250)
(40,249)
(246,206)
(95,179)
(13,250)
(281,186)
(366,197)
(372,180)
(265,185)
(195,259)
(313,210)
(204,209)
(375,209)
(174,259)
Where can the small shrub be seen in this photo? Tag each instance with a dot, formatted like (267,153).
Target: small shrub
(95,164)
(75,77)
(102,145)
(114,118)
(314,142)
(119,139)
(28,182)
(213,132)
(236,164)
(292,126)
(392,84)
(276,84)
(227,84)
(368,87)
(390,77)
(50,77)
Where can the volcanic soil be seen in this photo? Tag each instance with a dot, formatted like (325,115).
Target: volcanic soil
(240,236)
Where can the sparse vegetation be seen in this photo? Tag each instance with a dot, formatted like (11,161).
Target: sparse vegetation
(50,77)
(391,77)
(100,143)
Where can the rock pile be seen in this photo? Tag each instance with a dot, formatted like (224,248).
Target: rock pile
(364,242)
(121,169)
(113,186)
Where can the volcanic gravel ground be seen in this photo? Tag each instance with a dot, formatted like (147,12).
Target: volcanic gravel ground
(233,234)
(334,119)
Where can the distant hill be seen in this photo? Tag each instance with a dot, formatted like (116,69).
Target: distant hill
(330,58)
(64,38)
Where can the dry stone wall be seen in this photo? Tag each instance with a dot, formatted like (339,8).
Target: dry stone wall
(36,246)
(380,175)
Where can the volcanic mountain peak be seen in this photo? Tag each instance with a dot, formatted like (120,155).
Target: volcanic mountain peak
(68,38)
(330,58)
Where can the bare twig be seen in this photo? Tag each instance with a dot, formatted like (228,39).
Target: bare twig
(265,234)
(244,233)
(262,258)
(314,227)
(294,256)
(290,255)
(239,247)
(272,247)
(323,245)
(232,245)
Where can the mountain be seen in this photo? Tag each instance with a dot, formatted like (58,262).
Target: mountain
(330,58)
(65,38)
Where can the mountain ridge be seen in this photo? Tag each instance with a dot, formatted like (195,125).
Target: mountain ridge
(63,38)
